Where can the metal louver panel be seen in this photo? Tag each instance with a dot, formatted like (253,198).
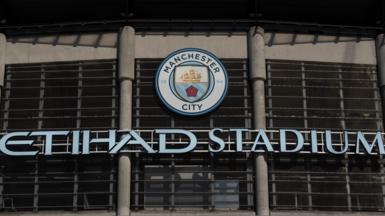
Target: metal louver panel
(54,96)
(313,95)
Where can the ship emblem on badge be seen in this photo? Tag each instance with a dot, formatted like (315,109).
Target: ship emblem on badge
(191,82)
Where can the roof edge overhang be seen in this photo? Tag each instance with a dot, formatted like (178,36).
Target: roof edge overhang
(185,25)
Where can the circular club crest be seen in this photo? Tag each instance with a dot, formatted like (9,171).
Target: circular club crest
(191,82)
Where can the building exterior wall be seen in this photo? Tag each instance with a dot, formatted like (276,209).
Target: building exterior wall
(233,49)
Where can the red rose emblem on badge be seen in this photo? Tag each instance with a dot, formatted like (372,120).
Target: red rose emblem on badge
(191,91)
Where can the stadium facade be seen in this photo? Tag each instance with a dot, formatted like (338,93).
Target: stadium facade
(299,129)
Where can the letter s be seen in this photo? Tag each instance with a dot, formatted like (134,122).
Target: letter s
(216,140)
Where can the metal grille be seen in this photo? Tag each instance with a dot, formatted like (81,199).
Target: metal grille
(197,180)
(53,96)
(308,95)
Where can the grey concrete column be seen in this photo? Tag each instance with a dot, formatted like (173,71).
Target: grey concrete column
(126,59)
(257,67)
(380,52)
(3,44)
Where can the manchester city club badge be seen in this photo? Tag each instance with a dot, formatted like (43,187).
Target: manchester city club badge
(191,82)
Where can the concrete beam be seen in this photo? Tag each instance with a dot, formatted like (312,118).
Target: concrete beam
(256,54)
(58,213)
(36,53)
(126,59)
(342,52)
(158,46)
(323,213)
(193,213)
(73,47)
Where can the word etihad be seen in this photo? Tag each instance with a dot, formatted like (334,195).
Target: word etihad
(23,143)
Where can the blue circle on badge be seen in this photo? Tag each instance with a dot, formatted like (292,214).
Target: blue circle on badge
(191,82)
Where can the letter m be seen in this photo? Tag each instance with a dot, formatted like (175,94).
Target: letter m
(369,148)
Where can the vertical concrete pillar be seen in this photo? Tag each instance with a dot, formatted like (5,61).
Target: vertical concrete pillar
(3,44)
(257,68)
(126,67)
(380,52)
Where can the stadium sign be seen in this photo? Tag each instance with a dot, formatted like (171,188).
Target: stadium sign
(191,82)
(178,141)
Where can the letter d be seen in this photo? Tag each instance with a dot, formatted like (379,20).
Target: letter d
(162,141)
